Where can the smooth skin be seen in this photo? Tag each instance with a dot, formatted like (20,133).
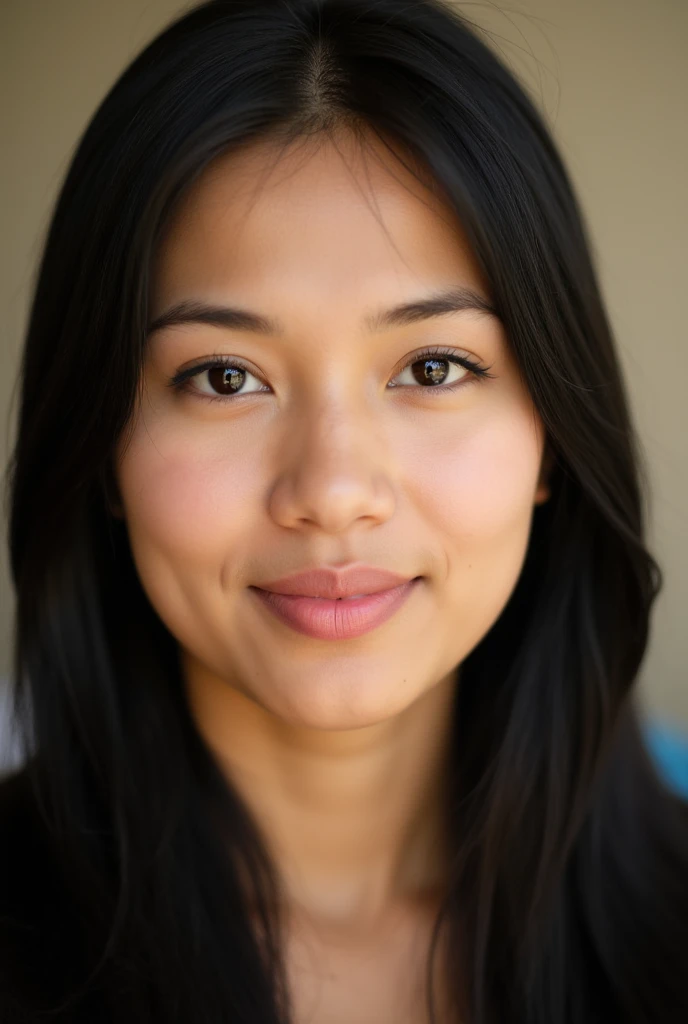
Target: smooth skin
(337,747)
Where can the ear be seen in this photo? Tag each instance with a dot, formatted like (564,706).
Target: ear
(542,494)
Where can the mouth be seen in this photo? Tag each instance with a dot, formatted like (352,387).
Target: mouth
(341,618)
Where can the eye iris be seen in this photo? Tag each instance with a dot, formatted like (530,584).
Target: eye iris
(226,379)
(432,370)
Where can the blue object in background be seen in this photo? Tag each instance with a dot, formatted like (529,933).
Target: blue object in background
(668,746)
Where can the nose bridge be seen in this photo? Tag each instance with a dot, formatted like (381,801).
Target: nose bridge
(333,464)
(338,417)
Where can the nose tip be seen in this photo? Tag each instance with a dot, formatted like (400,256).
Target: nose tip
(331,508)
(331,484)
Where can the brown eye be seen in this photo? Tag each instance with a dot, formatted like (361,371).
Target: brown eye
(226,380)
(227,377)
(219,380)
(432,371)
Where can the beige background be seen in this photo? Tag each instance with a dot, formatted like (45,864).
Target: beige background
(612,80)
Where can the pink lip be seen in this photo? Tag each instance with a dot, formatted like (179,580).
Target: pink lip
(335,583)
(326,619)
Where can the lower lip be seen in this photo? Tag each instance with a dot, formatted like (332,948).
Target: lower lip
(336,620)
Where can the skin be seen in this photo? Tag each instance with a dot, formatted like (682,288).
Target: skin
(338,748)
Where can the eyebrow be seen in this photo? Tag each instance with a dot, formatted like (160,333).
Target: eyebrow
(455,300)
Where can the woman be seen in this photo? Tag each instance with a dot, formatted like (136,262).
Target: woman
(328,543)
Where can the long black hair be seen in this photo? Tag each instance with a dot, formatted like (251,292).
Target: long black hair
(568,900)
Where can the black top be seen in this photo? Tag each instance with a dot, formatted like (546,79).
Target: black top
(39,939)
(44,958)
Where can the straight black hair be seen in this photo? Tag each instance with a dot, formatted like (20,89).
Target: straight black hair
(568,901)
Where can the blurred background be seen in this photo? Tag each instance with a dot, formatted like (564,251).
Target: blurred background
(611,79)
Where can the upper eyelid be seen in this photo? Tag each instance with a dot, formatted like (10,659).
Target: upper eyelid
(224,360)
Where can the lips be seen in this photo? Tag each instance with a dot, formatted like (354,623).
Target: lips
(338,619)
(336,604)
(335,584)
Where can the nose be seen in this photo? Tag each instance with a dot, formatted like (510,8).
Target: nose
(335,469)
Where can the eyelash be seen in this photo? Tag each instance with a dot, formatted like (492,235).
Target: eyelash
(479,372)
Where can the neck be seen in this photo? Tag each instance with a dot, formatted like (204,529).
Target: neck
(355,818)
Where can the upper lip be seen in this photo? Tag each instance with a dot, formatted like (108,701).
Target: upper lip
(334,583)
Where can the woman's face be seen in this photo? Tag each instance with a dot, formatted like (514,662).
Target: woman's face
(324,445)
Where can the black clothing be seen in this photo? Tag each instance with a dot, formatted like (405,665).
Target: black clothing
(41,953)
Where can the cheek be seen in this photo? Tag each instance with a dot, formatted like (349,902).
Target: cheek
(185,499)
(477,493)
(479,486)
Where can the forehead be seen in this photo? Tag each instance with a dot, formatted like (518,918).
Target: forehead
(326,219)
